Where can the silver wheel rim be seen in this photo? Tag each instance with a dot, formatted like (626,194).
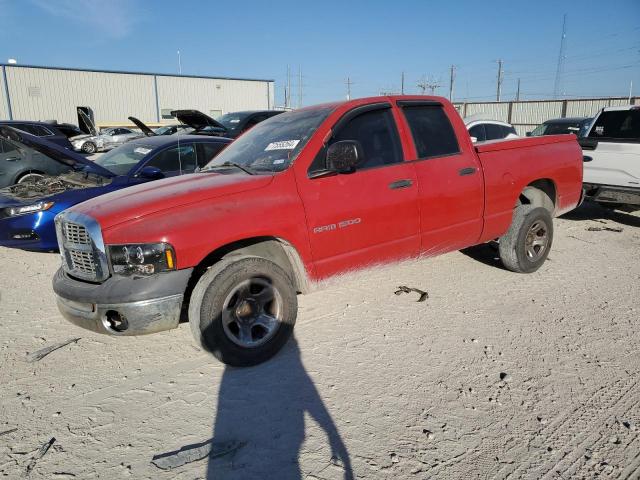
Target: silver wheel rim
(89,148)
(29,177)
(537,240)
(252,312)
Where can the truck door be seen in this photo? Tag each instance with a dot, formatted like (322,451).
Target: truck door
(370,215)
(451,186)
(613,144)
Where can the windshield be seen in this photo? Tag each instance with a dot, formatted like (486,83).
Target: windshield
(230,120)
(122,159)
(272,145)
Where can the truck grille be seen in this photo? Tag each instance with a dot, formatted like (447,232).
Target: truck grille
(77,234)
(83,262)
(81,247)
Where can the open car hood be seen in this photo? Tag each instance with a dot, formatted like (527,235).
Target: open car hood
(196,119)
(146,130)
(54,151)
(88,123)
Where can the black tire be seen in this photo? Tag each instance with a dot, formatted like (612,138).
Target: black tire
(211,296)
(89,147)
(517,248)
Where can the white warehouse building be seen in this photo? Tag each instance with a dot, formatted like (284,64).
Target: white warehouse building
(50,93)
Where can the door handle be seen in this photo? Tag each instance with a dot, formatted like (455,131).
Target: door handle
(12,159)
(405,183)
(467,171)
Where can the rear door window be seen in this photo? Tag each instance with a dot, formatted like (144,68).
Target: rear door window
(432,131)
(620,124)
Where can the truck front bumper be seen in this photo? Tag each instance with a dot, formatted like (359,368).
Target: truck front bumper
(123,306)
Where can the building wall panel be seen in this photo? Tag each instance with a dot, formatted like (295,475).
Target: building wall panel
(45,94)
(50,93)
(209,95)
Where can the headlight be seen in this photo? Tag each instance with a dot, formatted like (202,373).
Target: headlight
(36,207)
(142,258)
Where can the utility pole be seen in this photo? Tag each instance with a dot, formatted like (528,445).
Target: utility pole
(179,63)
(349,83)
(299,86)
(499,80)
(452,77)
(561,57)
(630,90)
(402,84)
(288,101)
(518,92)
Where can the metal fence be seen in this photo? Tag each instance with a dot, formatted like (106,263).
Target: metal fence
(526,115)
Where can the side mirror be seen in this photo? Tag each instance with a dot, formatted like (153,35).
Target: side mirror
(587,158)
(588,143)
(343,156)
(474,139)
(150,173)
(528,134)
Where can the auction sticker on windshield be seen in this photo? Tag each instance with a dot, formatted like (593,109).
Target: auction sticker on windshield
(283,145)
(142,151)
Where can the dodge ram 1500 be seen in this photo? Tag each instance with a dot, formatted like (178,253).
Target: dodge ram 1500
(306,195)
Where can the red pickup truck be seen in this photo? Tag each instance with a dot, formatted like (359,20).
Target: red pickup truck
(303,196)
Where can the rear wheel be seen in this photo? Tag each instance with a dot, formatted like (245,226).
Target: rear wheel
(243,310)
(89,147)
(526,245)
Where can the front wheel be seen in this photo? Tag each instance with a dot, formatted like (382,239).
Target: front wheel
(526,245)
(243,310)
(89,147)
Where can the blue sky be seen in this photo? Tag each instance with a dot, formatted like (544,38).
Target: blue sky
(372,42)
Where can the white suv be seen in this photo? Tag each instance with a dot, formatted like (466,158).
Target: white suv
(612,154)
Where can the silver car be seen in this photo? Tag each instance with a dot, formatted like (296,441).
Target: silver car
(107,139)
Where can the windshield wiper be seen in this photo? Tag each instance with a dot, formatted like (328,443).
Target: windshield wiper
(233,164)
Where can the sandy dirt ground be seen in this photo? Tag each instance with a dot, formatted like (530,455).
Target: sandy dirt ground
(495,375)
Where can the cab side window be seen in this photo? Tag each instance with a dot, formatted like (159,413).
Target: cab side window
(175,159)
(377,134)
(432,132)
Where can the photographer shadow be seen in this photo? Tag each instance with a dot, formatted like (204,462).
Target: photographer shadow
(263,408)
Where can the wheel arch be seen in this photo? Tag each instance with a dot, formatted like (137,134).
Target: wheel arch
(540,193)
(279,251)
(27,171)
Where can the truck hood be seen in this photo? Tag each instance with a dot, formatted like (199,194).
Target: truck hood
(142,200)
(54,151)
(196,119)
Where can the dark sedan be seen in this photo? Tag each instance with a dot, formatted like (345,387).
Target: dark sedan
(46,130)
(231,125)
(19,164)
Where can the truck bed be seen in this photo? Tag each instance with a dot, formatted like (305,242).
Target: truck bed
(510,165)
